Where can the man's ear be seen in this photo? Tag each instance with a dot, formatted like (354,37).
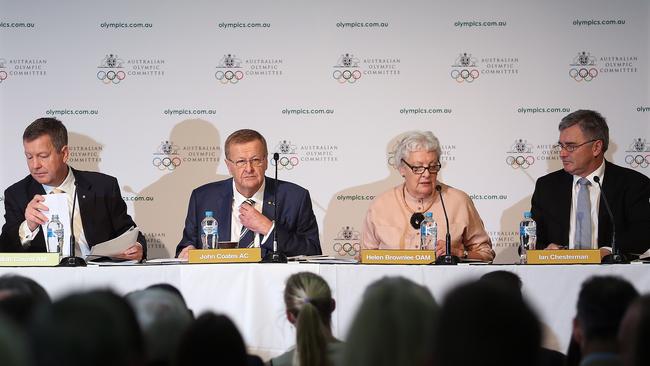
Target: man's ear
(577,333)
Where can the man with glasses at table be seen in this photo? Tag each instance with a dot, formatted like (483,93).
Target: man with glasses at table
(568,206)
(244,204)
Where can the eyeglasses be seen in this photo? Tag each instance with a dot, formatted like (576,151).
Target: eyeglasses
(241,163)
(571,147)
(420,169)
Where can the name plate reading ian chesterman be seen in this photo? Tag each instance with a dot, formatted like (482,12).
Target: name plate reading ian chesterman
(573,256)
(398,256)
(29,259)
(235,255)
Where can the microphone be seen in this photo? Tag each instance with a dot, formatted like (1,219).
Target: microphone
(72,260)
(448,258)
(616,256)
(275,256)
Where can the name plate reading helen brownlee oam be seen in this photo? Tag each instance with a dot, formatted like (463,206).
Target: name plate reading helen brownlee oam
(398,256)
(569,256)
(235,255)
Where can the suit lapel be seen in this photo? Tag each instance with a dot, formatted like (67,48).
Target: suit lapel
(268,206)
(224,211)
(609,190)
(564,200)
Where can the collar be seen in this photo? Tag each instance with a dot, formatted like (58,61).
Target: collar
(67,186)
(599,172)
(238,198)
(418,203)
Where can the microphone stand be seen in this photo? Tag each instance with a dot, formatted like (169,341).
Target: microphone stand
(448,258)
(616,257)
(275,256)
(72,260)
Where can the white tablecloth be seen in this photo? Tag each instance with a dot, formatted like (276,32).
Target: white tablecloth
(251,294)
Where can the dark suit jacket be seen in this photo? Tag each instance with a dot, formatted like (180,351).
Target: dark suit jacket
(627,192)
(103,211)
(296,226)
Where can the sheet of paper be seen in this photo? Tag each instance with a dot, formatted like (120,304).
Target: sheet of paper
(58,205)
(115,247)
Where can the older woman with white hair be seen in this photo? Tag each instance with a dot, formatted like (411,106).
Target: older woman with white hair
(393,219)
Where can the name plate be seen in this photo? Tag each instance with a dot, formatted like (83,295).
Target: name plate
(235,255)
(398,256)
(29,259)
(573,256)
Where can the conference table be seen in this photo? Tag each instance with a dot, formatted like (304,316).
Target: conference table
(251,294)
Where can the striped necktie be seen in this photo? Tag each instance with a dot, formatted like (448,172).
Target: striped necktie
(247,236)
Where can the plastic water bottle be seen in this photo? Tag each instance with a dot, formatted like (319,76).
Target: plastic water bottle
(55,235)
(428,232)
(209,231)
(527,237)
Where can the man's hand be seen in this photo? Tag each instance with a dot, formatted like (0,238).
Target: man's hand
(134,252)
(254,220)
(554,246)
(184,254)
(33,214)
(604,252)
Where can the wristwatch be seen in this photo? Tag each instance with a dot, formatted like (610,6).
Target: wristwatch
(465,254)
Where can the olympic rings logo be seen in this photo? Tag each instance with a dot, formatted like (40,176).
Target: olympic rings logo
(350,249)
(520,161)
(347,76)
(3,76)
(465,75)
(111,76)
(636,161)
(583,74)
(229,76)
(166,163)
(286,163)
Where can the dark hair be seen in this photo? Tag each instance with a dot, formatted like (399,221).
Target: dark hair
(602,302)
(169,288)
(641,356)
(244,136)
(216,333)
(505,279)
(591,123)
(487,317)
(47,126)
(21,285)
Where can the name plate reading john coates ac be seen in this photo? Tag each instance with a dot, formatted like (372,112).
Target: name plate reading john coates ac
(397,256)
(235,255)
(572,256)
(29,259)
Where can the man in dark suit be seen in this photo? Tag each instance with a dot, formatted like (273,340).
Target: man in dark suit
(100,213)
(568,205)
(244,205)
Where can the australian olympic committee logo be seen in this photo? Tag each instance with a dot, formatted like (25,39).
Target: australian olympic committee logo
(347,242)
(229,69)
(638,153)
(166,157)
(111,69)
(520,155)
(3,72)
(347,69)
(465,68)
(583,67)
(288,157)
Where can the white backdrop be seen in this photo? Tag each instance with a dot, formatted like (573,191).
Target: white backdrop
(149,91)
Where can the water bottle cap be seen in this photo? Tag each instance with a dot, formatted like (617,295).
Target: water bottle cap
(209,213)
(55,217)
(528,215)
(428,214)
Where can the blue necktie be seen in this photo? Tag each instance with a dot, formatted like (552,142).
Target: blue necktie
(247,236)
(583,216)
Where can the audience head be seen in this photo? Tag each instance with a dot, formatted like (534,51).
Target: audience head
(634,333)
(20,296)
(506,280)
(393,326)
(96,327)
(602,302)
(163,317)
(309,305)
(13,347)
(480,318)
(216,333)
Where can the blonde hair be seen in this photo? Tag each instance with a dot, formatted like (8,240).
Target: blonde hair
(308,298)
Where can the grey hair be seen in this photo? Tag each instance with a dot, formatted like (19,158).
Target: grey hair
(591,123)
(416,141)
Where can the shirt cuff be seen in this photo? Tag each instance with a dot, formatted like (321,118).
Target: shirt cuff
(26,235)
(270,234)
